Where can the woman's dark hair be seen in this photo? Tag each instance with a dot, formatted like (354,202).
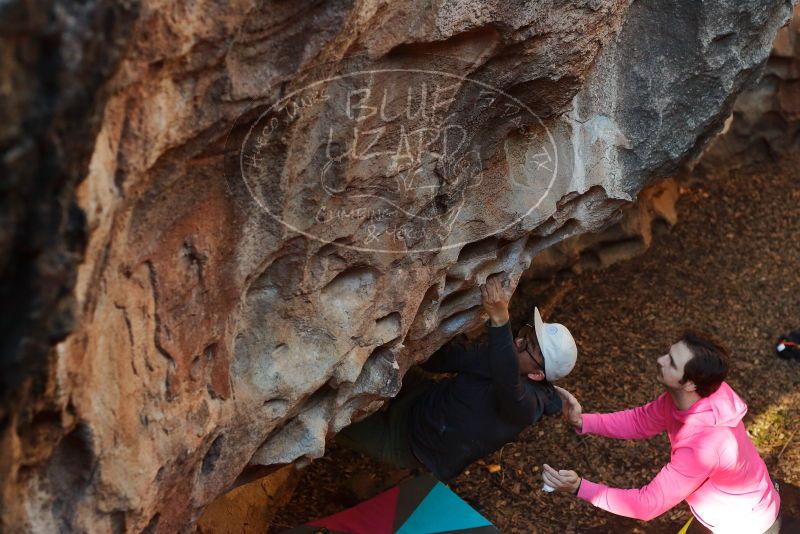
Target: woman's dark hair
(709,364)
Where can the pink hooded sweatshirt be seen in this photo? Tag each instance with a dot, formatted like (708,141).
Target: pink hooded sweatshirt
(713,464)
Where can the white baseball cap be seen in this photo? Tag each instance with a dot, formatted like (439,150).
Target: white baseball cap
(557,345)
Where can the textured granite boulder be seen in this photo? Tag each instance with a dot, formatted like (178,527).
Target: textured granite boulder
(766,117)
(289,204)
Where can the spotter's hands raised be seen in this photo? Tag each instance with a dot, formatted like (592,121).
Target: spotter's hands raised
(563,480)
(571,408)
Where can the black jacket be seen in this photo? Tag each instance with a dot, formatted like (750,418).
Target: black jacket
(478,411)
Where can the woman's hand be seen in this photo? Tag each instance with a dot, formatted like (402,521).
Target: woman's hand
(571,408)
(494,299)
(563,480)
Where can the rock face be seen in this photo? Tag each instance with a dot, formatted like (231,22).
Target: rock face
(54,59)
(766,117)
(250,509)
(765,122)
(654,210)
(289,204)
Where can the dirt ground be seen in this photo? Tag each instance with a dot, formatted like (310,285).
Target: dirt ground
(730,267)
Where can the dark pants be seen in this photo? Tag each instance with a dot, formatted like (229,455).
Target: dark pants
(385,435)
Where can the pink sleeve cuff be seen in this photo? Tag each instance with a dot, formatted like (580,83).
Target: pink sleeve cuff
(590,491)
(588,425)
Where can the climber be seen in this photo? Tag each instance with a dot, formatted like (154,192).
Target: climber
(713,464)
(500,388)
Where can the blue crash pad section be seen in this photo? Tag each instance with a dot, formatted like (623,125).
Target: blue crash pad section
(442,511)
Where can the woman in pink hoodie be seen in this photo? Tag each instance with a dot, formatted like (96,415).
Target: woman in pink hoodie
(713,464)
